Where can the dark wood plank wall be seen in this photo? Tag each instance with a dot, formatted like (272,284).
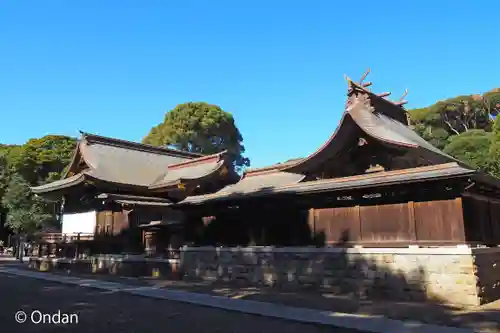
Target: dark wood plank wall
(494,210)
(482,219)
(439,220)
(111,223)
(412,222)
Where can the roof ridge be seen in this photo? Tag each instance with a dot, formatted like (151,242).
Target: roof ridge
(205,158)
(94,138)
(401,115)
(363,86)
(275,166)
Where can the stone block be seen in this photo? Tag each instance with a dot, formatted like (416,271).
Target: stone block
(399,274)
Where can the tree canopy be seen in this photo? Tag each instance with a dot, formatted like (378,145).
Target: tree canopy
(463,127)
(25,211)
(472,146)
(200,127)
(36,162)
(3,177)
(42,160)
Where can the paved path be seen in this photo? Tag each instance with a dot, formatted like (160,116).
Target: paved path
(334,320)
(104,311)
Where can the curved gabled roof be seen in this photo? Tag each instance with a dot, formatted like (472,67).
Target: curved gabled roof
(130,164)
(365,113)
(195,169)
(123,162)
(379,119)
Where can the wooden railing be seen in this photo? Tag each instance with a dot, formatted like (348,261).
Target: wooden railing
(57,237)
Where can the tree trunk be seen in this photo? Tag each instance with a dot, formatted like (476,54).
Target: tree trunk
(20,246)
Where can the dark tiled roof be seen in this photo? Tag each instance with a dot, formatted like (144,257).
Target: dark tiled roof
(289,162)
(114,197)
(377,124)
(378,118)
(134,200)
(434,172)
(191,170)
(142,203)
(60,184)
(251,184)
(131,164)
(93,138)
(262,181)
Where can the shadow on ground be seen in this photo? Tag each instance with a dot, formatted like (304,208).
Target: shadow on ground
(358,298)
(118,312)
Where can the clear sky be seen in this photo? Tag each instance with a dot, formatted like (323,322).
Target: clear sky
(115,67)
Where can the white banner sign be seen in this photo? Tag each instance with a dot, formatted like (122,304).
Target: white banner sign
(83,223)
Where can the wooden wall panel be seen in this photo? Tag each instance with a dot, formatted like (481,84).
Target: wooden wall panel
(111,223)
(482,215)
(472,230)
(338,224)
(439,220)
(411,222)
(100,223)
(311,219)
(495,220)
(120,222)
(481,219)
(108,222)
(387,222)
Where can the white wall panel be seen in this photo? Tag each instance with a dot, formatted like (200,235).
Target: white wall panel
(79,223)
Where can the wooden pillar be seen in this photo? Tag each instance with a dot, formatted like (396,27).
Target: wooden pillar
(77,247)
(150,242)
(413,223)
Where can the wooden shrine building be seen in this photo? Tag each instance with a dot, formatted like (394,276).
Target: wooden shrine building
(375,202)
(375,182)
(119,190)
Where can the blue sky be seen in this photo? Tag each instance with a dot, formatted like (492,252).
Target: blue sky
(115,67)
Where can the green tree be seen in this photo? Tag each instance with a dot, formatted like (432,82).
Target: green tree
(200,128)
(4,177)
(494,152)
(444,119)
(472,147)
(36,162)
(26,212)
(491,101)
(42,160)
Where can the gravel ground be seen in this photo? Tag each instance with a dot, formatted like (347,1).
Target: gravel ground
(99,311)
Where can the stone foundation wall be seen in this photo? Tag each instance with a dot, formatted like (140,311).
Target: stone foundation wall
(487,271)
(445,275)
(111,265)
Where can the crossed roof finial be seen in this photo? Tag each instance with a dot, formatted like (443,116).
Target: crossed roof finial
(363,84)
(402,100)
(366,84)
